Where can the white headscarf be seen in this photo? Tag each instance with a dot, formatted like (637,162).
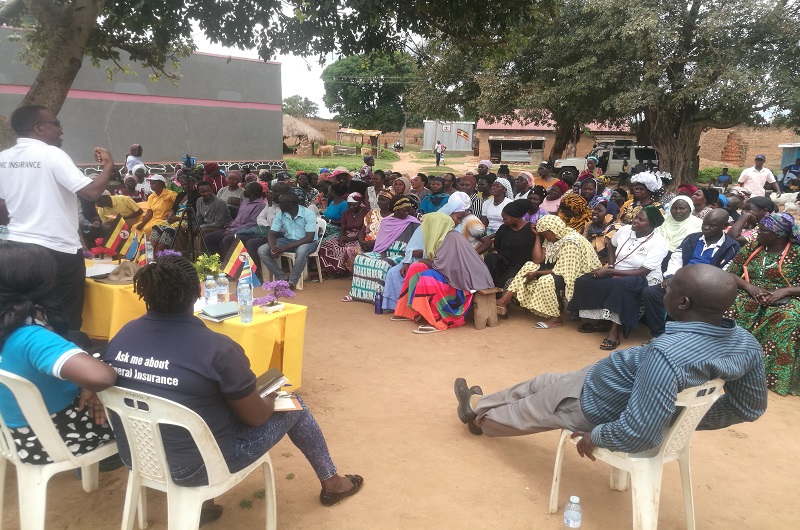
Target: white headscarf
(507,185)
(648,180)
(674,232)
(486,163)
(458,202)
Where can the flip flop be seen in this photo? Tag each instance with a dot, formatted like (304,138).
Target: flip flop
(609,345)
(425,330)
(398,319)
(347,298)
(542,325)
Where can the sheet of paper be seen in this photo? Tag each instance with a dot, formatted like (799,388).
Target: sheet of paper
(100,268)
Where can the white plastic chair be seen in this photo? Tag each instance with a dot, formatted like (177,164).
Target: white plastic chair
(32,479)
(141,415)
(322,227)
(643,470)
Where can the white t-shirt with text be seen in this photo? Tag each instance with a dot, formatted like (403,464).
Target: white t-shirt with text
(39,183)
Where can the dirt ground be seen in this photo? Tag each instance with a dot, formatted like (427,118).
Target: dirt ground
(384,399)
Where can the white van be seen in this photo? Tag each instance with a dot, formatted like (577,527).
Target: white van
(612,158)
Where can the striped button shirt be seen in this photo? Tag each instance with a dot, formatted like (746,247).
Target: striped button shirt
(630,395)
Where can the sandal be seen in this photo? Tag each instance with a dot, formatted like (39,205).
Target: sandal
(210,514)
(609,344)
(543,325)
(329,498)
(347,298)
(588,327)
(425,330)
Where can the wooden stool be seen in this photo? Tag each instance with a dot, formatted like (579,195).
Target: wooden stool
(484,307)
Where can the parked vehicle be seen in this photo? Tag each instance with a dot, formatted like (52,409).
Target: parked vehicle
(612,158)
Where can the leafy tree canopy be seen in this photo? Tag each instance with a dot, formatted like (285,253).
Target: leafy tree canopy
(300,107)
(367,92)
(156,33)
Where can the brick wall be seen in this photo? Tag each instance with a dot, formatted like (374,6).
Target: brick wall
(737,146)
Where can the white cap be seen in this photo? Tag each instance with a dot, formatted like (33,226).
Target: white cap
(158,178)
(575,499)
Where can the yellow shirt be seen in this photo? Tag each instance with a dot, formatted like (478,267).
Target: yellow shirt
(120,205)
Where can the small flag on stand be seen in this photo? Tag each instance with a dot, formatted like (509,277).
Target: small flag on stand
(141,258)
(118,235)
(130,247)
(249,271)
(239,264)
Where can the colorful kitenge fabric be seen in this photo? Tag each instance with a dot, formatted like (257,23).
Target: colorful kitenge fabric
(370,268)
(426,293)
(776,327)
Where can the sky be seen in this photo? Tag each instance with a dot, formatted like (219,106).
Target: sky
(298,75)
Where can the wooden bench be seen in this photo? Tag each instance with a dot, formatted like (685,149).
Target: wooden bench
(484,307)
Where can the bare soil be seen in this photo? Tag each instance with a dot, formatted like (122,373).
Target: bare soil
(384,399)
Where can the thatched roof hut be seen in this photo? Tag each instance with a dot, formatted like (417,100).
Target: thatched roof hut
(294,128)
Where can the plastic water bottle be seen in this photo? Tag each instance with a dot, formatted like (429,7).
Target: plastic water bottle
(572,513)
(211,291)
(223,293)
(379,302)
(148,251)
(244,292)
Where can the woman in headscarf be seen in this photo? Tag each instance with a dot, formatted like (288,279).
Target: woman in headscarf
(336,255)
(134,157)
(467,224)
(574,212)
(600,230)
(704,200)
(544,175)
(678,224)
(591,171)
(536,212)
(439,288)
(513,243)
(491,213)
(588,190)
(370,268)
(614,294)
(483,170)
(143,179)
(32,346)
(469,185)
(554,194)
(560,256)
(645,186)
(401,185)
(745,229)
(436,198)
(372,222)
(524,184)
(767,273)
(130,187)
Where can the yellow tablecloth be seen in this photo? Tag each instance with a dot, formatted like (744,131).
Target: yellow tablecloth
(274,340)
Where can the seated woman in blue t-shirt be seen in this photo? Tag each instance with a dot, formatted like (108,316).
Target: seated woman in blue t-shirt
(66,376)
(210,374)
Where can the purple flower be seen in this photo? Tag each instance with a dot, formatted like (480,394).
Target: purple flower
(168,252)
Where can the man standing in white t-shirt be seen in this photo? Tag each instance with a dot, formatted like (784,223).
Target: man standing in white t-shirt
(754,178)
(39,183)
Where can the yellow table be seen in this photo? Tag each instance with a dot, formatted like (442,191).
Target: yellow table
(274,340)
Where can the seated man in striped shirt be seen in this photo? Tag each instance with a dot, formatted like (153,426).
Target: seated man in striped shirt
(624,401)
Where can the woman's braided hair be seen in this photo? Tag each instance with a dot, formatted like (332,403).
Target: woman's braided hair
(168,285)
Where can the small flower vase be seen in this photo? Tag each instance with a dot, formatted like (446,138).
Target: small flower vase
(272,308)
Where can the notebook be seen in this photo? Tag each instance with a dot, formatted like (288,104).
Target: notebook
(219,312)
(270,381)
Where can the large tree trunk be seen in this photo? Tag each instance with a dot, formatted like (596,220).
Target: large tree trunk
(68,29)
(565,132)
(676,142)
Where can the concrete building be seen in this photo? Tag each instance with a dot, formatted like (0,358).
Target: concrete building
(224,109)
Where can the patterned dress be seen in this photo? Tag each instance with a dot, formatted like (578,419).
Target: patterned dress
(775,327)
